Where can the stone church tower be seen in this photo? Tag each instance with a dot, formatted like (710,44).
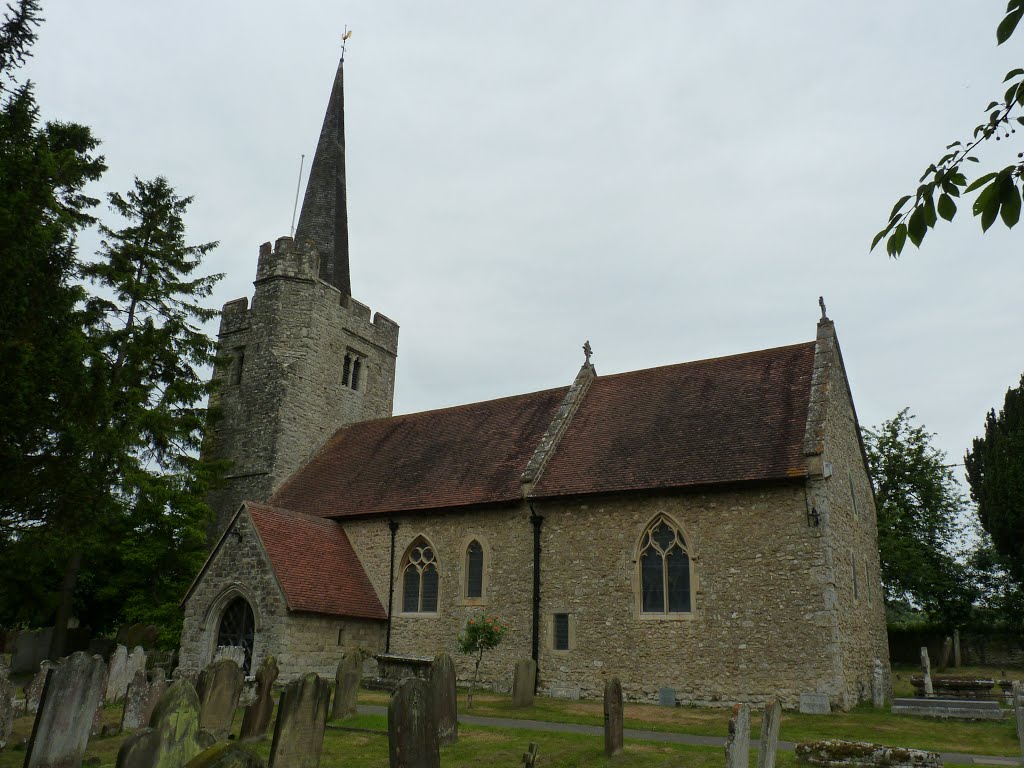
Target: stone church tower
(305,357)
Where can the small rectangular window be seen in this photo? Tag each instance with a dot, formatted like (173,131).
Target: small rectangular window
(357,366)
(239,364)
(561,631)
(346,366)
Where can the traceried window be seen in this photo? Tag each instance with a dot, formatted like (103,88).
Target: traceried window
(419,579)
(664,570)
(474,569)
(238,627)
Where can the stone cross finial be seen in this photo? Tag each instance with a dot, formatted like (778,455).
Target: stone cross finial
(821,303)
(587,352)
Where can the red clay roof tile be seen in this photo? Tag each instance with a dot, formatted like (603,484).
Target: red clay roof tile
(315,563)
(724,420)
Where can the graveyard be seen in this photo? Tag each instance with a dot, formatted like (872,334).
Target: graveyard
(356,725)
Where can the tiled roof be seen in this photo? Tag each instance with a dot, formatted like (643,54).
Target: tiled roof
(725,420)
(468,455)
(315,563)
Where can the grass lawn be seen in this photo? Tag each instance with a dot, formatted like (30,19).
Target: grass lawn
(479,745)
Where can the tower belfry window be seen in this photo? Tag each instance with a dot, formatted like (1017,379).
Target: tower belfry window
(346,369)
(357,365)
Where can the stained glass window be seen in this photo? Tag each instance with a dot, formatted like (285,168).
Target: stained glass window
(419,579)
(474,570)
(664,570)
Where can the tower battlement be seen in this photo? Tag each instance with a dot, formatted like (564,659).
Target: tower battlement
(299,261)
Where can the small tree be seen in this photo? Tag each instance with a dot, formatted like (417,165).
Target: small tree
(483,633)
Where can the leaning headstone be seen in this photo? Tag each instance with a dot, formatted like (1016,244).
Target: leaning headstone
(219,687)
(60,733)
(301,720)
(878,686)
(612,717)
(814,704)
(737,745)
(443,699)
(412,731)
(117,675)
(6,710)
(530,756)
(666,697)
(34,690)
(769,734)
(947,653)
(346,684)
(524,683)
(926,669)
(1018,710)
(135,701)
(226,756)
(234,652)
(173,736)
(256,719)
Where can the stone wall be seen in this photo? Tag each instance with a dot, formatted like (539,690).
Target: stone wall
(279,375)
(316,643)
(849,517)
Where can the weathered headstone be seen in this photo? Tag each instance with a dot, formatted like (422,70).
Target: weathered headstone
(524,683)
(814,704)
(226,756)
(878,685)
(234,652)
(412,731)
(157,688)
(859,754)
(346,684)
(770,722)
(666,697)
(947,653)
(60,733)
(191,674)
(1018,711)
(443,699)
(926,669)
(6,710)
(34,690)
(530,756)
(613,706)
(737,745)
(301,720)
(173,736)
(136,661)
(957,657)
(117,675)
(135,702)
(219,687)
(257,715)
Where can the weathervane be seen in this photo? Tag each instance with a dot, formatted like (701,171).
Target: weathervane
(344,40)
(821,303)
(587,352)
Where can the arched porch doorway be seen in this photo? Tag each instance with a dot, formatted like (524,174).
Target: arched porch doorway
(238,627)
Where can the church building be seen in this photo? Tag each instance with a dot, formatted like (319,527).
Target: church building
(707,527)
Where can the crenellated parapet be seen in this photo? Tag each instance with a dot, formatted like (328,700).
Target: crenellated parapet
(288,259)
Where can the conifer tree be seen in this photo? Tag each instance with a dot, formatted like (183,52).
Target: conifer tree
(995,473)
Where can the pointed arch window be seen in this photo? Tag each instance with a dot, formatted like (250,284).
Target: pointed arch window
(238,628)
(419,578)
(664,570)
(474,570)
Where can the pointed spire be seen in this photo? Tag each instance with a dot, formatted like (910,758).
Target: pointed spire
(324,215)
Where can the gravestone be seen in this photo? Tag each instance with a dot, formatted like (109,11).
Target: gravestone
(737,745)
(950,709)
(770,722)
(346,684)
(30,649)
(117,675)
(666,697)
(926,669)
(234,652)
(136,661)
(186,673)
(301,719)
(613,707)
(947,653)
(859,754)
(530,756)
(137,634)
(412,730)
(135,701)
(957,657)
(1018,711)
(6,710)
(173,736)
(226,756)
(814,704)
(524,683)
(443,699)
(34,690)
(156,692)
(219,687)
(257,715)
(878,686)
(60,733)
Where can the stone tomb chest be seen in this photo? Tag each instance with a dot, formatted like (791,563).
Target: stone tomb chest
(392,669)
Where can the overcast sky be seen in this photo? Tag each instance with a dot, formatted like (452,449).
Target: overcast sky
(670,180)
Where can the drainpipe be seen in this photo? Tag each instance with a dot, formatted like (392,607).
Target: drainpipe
(536,521)
(391,584)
